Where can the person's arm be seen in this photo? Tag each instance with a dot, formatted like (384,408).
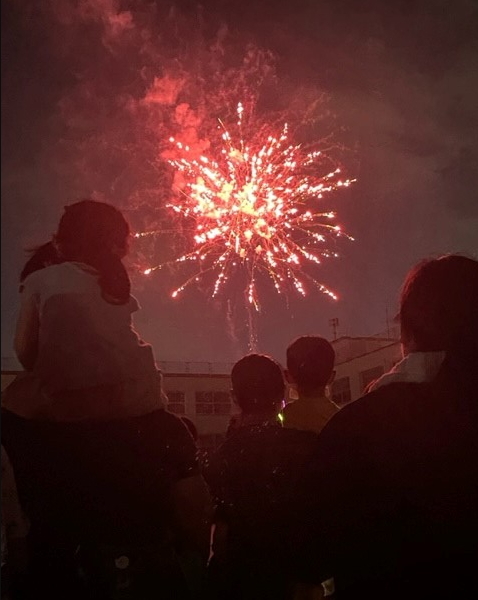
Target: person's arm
(191,504)
(219,538)
(192,518)
(27,331)
(192,523)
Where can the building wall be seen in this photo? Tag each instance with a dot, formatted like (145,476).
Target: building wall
(360,370)
(207,401)
(346,348)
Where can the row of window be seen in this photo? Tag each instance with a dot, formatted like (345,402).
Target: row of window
(219,403)
(207,403)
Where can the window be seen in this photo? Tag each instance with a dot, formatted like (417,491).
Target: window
(213,403)
(176,403)
(341,391)
(366,377)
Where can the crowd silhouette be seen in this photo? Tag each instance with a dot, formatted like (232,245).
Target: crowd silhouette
(103,493)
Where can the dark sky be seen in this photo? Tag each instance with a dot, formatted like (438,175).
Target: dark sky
(402,77)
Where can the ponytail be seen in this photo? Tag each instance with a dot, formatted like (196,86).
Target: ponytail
(113,278)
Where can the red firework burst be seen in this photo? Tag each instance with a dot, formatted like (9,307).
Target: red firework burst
(254,207)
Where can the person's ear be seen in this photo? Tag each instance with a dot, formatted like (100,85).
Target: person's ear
(331,378)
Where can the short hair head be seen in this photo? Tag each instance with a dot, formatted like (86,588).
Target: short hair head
(438,304)
(258,383)
(310,362)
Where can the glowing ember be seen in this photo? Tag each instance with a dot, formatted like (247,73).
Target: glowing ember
(252,208)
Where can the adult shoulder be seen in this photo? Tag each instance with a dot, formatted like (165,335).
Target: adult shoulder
(376,404)
(366,430)
(34,282)
(59,278)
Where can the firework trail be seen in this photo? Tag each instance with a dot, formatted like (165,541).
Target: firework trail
(253,208)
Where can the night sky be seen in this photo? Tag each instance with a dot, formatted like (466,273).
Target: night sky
(402,82)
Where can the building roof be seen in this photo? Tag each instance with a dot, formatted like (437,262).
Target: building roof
(195,367)
(379,349)
(11,365)
(370,338)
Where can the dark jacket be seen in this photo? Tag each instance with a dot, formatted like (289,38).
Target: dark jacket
(397,513)
(254,477)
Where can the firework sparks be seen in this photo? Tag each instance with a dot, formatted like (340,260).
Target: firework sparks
(252,208)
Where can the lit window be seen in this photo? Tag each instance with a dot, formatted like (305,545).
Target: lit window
(213,403)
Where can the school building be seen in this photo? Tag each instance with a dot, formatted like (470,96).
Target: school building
(359,361)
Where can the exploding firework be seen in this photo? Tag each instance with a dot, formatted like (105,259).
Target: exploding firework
(254,208)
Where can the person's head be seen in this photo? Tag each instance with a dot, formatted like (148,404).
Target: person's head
(257,384)
(439,305)
(89,228)
(41,257)
(310,364)
(97,234)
